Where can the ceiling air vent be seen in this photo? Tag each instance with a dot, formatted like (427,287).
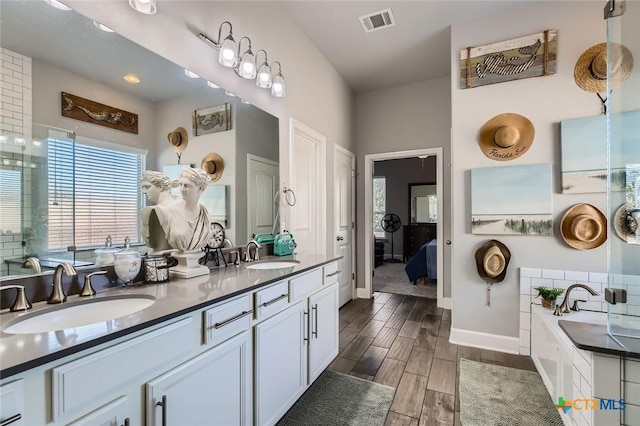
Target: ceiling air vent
(377,20)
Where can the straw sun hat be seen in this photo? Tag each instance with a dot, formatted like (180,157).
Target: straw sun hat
(625,222)
(213,164)
(506,136)
(590,72)
(492,259)
(584,227)
(179,139)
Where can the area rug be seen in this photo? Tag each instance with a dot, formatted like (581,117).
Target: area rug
(495,395)
(391,278)
(337,399)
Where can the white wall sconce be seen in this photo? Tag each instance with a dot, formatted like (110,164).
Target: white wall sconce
(148,7)
(245,64)
(278,88)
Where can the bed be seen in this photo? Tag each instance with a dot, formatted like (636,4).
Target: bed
(424,263)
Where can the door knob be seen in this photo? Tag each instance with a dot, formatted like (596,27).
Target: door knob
(339,238)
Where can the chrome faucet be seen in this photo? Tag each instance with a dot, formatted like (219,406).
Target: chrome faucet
(32,263)
(247,251)
(57,293)
(564,307)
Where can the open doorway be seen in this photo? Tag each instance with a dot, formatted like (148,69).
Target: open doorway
(404,249)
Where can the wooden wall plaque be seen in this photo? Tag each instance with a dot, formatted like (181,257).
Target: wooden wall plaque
(96,113)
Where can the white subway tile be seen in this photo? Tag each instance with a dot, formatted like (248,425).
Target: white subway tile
(6,57)
(576,276)
(598,277)
(18,116)
(632,370)
(537,282)
(525,338)
(27,69)
(553,274)
(13,54)
(598,298)
(632,393)
(633,310)
(606,417)
(525,285)
(14,94)
(525,304)
(562,283)
(585,387)
(631,279)
(591,306)
(6,72)
(606,377)
(27,93)
(525,321)
(633,290)
(11,107)
(13,122)
(531,272)
(12,66)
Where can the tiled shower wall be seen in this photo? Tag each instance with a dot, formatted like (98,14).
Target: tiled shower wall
(15,120)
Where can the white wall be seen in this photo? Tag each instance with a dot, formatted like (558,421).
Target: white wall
(545,101)
(412,116)
(316,95)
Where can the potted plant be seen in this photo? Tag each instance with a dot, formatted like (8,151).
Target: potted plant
(549,296)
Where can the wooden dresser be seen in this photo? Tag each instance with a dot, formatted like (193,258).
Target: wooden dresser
(414,236)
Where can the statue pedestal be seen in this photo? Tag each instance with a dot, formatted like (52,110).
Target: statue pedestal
(188,266)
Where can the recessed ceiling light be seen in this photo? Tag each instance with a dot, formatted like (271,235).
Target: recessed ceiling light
(191,74)
(212,85)
(131,78)
(244,101)
(103,27)
(57,4)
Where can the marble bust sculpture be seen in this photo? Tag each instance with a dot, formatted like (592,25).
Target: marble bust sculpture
(157,188)
(186,223)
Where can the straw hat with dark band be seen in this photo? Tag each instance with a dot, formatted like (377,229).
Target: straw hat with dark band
(492,259)
(179,139)
(584,227)
(213,164)
(506,136)
(625,222)
(590,72)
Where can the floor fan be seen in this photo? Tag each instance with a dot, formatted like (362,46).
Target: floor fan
(391,223)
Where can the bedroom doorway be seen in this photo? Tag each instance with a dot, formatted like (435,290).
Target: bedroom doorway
(404,251)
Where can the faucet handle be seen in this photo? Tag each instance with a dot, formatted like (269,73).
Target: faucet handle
(235,257)
(21,303)
(575,306)
(558,311)
(87,288)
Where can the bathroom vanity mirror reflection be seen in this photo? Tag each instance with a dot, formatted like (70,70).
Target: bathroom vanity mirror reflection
(53,51)
(423,203)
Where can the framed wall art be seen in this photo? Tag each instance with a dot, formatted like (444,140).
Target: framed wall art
(211,120)
(96,113)
(512,200)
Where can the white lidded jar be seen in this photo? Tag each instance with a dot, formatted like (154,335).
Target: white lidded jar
(127,263)
(106,255)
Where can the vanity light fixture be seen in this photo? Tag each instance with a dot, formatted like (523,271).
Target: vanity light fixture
(247,66)
(278,88)
(4,138)
(19,141)
(148,7)
(103,27)
(36,143)
(191,74)
(131,78)
(212,85)
(264,77)
(57,4)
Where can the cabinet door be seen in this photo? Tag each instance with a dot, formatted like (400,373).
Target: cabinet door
(280,363)
(113,414)
(12,404)
(213,388)
(323,334)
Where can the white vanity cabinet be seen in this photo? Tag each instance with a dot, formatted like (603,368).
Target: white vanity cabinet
(114,413)
(323,333)
(213,388)
(12,404)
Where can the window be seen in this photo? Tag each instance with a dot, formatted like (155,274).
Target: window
(379,204)
(93,191)
(10,207)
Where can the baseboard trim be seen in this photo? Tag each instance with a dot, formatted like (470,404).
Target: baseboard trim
(446,303)
(362,293)
(480,340)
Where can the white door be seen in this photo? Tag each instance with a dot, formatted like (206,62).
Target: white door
(213,388)
(262,184)
(306,220)
(323,330)
(281,344)
(344,165)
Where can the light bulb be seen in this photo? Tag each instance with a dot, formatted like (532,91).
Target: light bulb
(278,88)
(131,78)
(57,4)
(248,66)
(227,56)
(264,76)
(148,7)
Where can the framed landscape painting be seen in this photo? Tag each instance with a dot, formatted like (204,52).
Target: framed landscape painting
(512,200)
(584,152)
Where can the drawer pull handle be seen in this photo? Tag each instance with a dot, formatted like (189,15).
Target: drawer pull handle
(11,419)
(314,332)
(305,336)
(271,302)
(333,273)
(232,319)
(163,404)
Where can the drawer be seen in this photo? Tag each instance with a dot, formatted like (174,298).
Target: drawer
(85,381)
(225,320)
(331,273)
(271,300)
(303,285)
(12,403)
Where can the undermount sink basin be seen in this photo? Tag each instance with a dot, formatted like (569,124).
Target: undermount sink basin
(77,314)
(273,264)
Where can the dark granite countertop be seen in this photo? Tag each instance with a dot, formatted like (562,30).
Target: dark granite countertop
(21,352)
(594,338)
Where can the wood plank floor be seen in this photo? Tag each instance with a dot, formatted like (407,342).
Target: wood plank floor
(403,342)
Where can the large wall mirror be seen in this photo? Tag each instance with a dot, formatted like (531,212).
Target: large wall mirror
(423,203)
(44,155)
